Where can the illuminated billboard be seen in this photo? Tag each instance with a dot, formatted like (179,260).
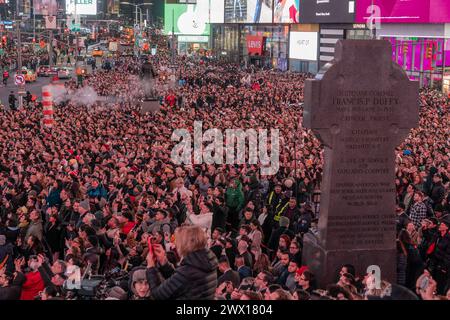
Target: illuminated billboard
(403,11)
(187,19)
(45,7)
(248,11)
(303,45)
(327,11)
(286,11)
(83,7)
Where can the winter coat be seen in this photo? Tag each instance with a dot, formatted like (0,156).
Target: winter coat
(437,193)
(33,284)
(35,229)
(194,279)
(54,199)
(219,218)
(235,197)
(99,192)
(441,254)
(6,256)
(9,293)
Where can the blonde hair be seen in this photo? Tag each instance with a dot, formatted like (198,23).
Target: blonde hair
(189,239)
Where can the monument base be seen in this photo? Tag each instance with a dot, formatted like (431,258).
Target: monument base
(150,105)
(326,264)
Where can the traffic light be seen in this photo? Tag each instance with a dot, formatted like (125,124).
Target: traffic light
(405,48)
(4,40)
(430,51)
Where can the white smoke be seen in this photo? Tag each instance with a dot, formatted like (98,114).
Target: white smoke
(85,96)
(59,93)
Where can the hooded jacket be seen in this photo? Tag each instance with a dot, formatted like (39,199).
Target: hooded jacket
(194,279)
(235,197)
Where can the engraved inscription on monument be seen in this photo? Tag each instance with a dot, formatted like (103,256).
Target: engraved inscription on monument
(361,106)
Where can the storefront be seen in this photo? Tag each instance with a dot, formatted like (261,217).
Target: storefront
(274,44)
(225,42)
(192,44)
(260,45)
(418,33)
(421,49)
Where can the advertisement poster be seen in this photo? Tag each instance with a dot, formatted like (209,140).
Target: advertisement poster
(255,45)
(327,11)
(248,11)
(286,11)
(403,11)
(45,7)
(217,11)
(303,45)
(50,22)
(84,7)
(189,19)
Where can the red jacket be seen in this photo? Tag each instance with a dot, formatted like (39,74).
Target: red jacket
(128,227)
(171,100)
(33,284)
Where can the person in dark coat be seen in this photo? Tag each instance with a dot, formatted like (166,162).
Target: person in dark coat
(440,258)
(196,276)
(6,254)
(53,236)
(220,214)
(276,233)
(437,192)
(9,290)
(228,274)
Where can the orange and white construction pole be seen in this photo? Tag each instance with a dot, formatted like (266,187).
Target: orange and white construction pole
(47,104)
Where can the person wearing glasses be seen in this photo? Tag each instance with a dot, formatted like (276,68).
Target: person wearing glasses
(306,281)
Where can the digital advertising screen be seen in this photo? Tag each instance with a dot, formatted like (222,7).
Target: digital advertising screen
(217,11)
(403,11)
(45,7)
(303,45)
(189,19)
(248,11)
(83,7)
(286,11)
(327,11)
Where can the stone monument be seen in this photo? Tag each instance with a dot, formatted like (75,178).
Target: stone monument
(361,106)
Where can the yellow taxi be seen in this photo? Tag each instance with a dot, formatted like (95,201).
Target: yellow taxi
(29,75)
(97,53)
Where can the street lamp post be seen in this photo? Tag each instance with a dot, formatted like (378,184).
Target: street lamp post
(136,9)
(136,15)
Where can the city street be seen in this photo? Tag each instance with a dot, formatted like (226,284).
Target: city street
(34,88)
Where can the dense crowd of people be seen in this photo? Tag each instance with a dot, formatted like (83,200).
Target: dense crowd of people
(98,194)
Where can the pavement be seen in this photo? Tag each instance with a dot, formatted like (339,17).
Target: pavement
(33,87)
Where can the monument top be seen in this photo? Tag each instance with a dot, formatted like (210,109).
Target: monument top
(364,77)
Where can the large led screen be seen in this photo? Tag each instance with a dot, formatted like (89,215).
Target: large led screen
(83,7)
(403,11)
(327,11)
(286,11)
(45,7)
(189,19)
(303,45)
(248,11)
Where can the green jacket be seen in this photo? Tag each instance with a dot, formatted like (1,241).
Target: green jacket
(235,196)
